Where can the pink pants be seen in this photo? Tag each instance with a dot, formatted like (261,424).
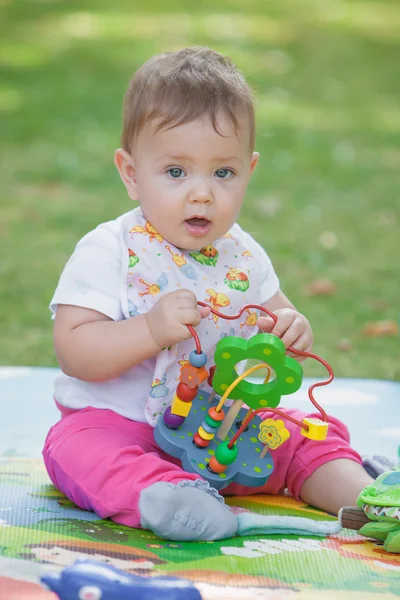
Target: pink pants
(102,461)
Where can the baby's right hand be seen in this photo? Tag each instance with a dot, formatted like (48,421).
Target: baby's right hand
(169,317)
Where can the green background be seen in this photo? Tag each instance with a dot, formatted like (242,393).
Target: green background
(324,201)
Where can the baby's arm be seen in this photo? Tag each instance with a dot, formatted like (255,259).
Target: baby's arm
(292,327)
(92,347)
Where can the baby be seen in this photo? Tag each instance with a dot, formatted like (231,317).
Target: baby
(129,291)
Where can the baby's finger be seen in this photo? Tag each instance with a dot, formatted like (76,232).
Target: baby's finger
(292,333)
(190,316)
(186,299)
(304,344)
(204,311)
(283,325)
(266,324)
(186,334)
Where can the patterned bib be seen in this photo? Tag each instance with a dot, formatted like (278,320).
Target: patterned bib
(224,274)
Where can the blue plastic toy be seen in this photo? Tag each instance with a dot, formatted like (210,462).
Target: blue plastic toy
(223,448)
(246,469)
(91,580)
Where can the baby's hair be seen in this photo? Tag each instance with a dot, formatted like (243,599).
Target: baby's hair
(178,87)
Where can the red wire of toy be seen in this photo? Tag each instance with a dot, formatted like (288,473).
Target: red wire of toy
(293,350)
(258,410)
(196,338)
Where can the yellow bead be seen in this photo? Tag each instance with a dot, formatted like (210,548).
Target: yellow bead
(180,408)
(317,429)
(204,434)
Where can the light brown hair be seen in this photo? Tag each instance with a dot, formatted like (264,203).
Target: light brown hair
(179,87)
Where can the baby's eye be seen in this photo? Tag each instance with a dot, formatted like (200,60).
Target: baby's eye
(176,172)
(224,173)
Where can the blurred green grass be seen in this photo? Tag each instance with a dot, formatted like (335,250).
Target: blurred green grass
(324,201)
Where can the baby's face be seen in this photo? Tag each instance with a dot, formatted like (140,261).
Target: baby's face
(191,181)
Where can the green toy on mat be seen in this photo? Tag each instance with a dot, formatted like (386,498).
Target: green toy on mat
(379,516)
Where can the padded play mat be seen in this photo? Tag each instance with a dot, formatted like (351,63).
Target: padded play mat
(41,531)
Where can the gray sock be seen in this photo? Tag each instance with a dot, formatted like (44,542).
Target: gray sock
(376,465)
(186,512)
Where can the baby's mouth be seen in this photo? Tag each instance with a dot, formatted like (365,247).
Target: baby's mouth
(197,221)
(198,226)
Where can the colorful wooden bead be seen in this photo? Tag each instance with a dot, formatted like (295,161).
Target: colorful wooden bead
(217,416)
(185,393)
(211,422)
(198,441)
(211,375)
(197,359)
(204,434)
(226,455)
(180,408)
(215,466)
(192,376)
(172,421)
(317,429)
(209,428)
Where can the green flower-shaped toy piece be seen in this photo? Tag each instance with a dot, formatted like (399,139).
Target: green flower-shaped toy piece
(267,348)
(380,502)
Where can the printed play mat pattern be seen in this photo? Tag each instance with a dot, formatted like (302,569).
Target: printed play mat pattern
(42,531)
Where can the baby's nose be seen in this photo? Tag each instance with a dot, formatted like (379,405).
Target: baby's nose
(201,192)
(203,197)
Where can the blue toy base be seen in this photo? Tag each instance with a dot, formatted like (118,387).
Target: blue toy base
(247,470)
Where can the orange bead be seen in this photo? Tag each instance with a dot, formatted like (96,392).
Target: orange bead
(198,441)
(192,376)
(185,393)
(216,466)
(217,416)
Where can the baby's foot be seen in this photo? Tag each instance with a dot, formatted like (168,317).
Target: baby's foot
(376,465)
(186,512)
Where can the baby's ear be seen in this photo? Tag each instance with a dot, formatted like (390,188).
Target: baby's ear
(254,161)
(126,169)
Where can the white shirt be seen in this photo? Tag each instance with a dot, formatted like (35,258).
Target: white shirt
(122,268)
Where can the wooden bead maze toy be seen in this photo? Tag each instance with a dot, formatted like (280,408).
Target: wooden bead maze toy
(235,445)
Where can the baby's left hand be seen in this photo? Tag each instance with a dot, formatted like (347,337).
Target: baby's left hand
(293,329)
